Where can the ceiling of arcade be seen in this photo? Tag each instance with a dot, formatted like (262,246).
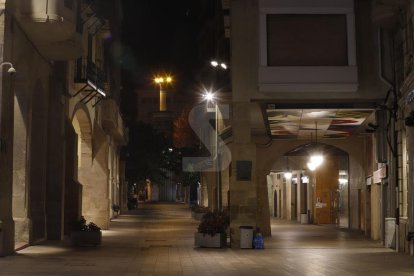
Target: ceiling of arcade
(307,123)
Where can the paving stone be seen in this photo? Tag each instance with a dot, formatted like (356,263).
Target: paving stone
(157,239)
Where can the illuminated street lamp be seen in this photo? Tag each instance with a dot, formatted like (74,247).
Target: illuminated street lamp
(160,81)
(221,64)
(316,159)
(209,97)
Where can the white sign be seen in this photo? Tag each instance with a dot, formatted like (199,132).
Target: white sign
(320,205)
(380,173)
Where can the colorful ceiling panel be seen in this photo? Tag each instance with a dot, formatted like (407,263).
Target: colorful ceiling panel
(306,123)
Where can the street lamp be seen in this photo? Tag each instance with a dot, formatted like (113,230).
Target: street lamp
(316,159)
(11,69)
(221,64)
(209,97)
(160,80)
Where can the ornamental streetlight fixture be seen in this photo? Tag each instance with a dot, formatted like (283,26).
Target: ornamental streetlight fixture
(220,64)
(160,81)
(11,69)
(209,97)
(316,159)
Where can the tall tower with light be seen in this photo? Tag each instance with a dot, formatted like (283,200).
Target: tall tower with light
(162,119)
(160,81)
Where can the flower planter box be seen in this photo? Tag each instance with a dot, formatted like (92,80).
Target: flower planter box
(86,238)
(205,240)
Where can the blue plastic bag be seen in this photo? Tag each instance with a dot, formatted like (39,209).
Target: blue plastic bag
(258,241)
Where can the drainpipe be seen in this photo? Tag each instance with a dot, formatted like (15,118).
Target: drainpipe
(390,194)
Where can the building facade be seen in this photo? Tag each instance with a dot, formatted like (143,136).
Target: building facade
(331,78)
(60,123)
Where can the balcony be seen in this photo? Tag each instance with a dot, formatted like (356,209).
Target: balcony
(112,121)
(51,25)
(87,73)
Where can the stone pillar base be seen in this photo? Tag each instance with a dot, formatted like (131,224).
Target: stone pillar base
(7,237)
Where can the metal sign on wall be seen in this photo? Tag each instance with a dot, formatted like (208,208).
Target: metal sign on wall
(380,174)
(244,170)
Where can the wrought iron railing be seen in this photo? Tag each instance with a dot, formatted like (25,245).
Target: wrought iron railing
(86,70)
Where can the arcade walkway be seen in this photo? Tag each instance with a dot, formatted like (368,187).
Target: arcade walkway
(157,239)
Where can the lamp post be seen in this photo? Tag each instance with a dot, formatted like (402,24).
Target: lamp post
(163,94)
(209,97)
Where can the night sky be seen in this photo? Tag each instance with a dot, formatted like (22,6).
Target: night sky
(164,36)
(160,35)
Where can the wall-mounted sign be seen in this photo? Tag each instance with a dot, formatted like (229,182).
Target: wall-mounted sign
(244,170)
(320,205)
(379,174)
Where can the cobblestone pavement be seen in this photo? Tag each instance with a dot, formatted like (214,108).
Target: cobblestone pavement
(157,239)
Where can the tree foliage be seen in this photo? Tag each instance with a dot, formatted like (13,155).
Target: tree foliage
(146,153)
(183,134)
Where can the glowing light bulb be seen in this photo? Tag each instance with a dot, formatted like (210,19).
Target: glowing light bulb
(317,160)
(311,166)
(214,63)
(288,175)
(209,96)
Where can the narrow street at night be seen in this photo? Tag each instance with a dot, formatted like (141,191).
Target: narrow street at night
(158,239)
(207,137)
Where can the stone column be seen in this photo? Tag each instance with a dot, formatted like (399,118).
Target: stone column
(263,212)
(204,191)
(6,154)
(243,181)
(20,150)
(244,186)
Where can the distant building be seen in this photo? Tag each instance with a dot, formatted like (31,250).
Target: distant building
(149,109)
(334,77)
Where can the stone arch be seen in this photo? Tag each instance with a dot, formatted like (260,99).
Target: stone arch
(82,124)
(83,128)
(96,196)
(295,156)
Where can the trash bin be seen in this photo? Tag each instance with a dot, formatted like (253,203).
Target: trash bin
(390,232)
(304,218)
(246,236)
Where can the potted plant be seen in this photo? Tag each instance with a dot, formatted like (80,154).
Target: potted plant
(86,234)
(116,208)
(212,230)
(197,212)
